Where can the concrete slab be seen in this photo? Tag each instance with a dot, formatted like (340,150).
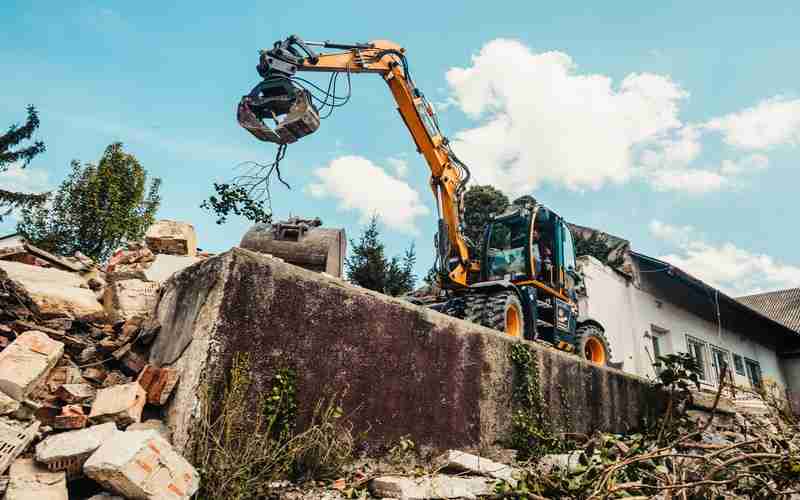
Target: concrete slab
(436,486)
(55,293)
(68,445)
(124,299)
(409,371)
(29,481)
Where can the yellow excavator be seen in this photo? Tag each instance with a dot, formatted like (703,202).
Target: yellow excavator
(520,279)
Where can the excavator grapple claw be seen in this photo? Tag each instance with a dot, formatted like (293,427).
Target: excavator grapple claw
(287,105)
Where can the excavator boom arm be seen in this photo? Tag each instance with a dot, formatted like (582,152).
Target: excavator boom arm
(448,174)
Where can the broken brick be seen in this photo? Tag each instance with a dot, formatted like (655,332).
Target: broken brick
(75,393)
(71,417)
(122,404)
(133,363)
(116,378)
(26,362)
(141,464)
(159,383)
(96,374)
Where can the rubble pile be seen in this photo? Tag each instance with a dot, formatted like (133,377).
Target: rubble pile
(79,403)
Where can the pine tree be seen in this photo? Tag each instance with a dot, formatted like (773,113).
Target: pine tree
(96,209)
(367,266)
(10,200)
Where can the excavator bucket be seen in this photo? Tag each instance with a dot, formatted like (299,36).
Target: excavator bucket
(301,242)
(287,105)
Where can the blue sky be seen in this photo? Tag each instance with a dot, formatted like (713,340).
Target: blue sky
(675,126)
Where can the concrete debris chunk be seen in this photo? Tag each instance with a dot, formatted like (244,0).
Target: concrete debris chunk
(54,293)
(436,486)
(152,425)
(7,404)
(159,383)
(172,237)
(461,461)
(14,439)
(165,266)
(125,299)
(71,417)
(65,374)
(29,481)
(566,461)
(74,444)
(142,465)
(122,404)
(75,393)
(116,377)
(26,362)
(105,496)
(96,374)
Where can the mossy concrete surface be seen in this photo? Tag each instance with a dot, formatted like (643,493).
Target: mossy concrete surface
(399,369)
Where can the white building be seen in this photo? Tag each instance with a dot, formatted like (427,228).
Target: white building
(655,308)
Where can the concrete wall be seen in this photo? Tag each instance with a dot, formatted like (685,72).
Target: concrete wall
(631,315)
(401,369)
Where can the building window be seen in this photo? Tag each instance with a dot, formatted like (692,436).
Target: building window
(738,363)
(720,361)
(697,348)
(753,372)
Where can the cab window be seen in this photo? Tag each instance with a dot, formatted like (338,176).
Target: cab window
(506,252)
(569,248)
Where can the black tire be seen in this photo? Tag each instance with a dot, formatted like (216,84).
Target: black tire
(501,311)
(454,307)
(593,345)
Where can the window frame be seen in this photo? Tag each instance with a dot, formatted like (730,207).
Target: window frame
(739,367)
(703,375)
(727,355)
(760,382)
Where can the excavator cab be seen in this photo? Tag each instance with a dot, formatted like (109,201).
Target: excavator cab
(528,280)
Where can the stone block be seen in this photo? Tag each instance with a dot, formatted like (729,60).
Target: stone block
(125,299)
(74,444)
(30,481)
(54,293)
(436,486)
(152,425)
(8,404)
(122,404)
(466,462)
(26,362)
(159,383)
(172,237)
(142,465)
(705,401)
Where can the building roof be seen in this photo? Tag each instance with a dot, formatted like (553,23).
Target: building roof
(702,299)
(781,305)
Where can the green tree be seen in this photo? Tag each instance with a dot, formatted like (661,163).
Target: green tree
(9,156)
(96,209)
(480,202)
(524,200)
(400,277)
(367,266)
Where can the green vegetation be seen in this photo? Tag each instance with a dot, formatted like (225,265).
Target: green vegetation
(242,446)
(367,265)
(21,157)
(96,209)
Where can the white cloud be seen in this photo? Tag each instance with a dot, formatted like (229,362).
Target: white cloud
(678,235)
(731,269)
(769,123)
(543,121)
(689,181)
(400,166)
(361,186)
(26,180)
(747,165)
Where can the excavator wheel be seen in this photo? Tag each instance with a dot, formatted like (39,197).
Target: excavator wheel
(454,307)
(501,311)
(593,345)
